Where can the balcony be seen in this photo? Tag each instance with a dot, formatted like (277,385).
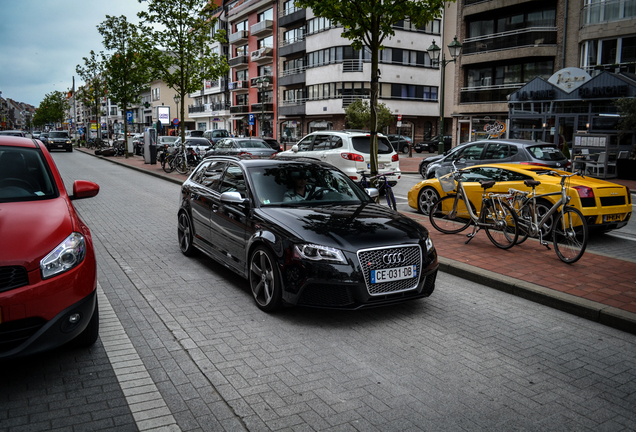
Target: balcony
(239,62)
(239,86)
(536,36)
(292,46)
(239,109)
(292,107)
(240,37)
(608,11)
(263,28)
(488,94)
(266,107)
(262,55)
(209,108)
(292,76)
(291,16)
(253,81)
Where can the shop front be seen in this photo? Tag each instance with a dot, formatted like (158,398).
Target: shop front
(571,104)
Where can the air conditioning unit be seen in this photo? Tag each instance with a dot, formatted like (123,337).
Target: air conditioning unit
(260,53)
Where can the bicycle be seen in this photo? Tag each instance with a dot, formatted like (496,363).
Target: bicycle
(367,181)
(452,214)
(566,223)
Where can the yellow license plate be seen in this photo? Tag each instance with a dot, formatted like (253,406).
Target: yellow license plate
(612,218)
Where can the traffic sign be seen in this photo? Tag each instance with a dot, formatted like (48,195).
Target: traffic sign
(251,119)
(399,117)
(175,121)
(129,117)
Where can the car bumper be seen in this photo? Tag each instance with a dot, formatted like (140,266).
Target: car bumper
(344,287)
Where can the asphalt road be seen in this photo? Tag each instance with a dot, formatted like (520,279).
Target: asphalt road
(202,357)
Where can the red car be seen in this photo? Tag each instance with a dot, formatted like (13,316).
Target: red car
(48,275)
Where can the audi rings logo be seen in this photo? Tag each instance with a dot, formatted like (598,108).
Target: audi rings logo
(393,258)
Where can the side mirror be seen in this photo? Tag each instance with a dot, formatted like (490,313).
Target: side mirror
(295,148)
(84,189)
(233,198)
(372,192)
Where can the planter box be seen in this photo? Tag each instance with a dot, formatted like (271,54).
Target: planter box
(626,169)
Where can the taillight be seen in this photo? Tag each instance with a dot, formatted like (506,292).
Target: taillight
(533,163)
(395,158)
(245,153)
(354,178)
(584,191)
(352,157)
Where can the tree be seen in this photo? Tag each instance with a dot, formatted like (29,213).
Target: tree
(52,109)
(127,71)
(94,89)
(368,23)
(358,115)
(182,57)
(627,123)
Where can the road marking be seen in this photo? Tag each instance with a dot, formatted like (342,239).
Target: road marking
(622,236)
(148,407)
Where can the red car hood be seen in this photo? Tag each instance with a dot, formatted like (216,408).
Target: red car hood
(30,230)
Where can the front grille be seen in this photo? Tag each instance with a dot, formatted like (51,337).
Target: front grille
(14,333)
(326,296)
(372,259)
(13,277)
(612,201)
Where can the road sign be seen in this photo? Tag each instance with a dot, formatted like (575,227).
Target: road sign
(175,121)
(251,119)
(399,117)
(129,117)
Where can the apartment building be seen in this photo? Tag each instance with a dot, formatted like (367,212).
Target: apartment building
(507,44)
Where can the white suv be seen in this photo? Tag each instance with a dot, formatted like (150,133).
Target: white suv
(349,151)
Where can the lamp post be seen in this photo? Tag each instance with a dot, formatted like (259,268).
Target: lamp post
(454,48)
(177,99)
(262,84)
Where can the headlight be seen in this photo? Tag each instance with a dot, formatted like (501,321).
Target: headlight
(319,253)
(429,244)
(64,257)
(68,142)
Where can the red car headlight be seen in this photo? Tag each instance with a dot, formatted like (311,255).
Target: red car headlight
(65,256)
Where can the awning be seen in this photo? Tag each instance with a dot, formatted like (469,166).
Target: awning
(237,118)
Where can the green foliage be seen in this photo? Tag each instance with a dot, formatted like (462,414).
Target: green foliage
(127,70)
(627,123)
(52,109)
(368,23)
(94,89)
(181,56)
(358,115)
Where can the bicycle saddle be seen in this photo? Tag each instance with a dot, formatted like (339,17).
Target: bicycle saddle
(531,183)
(487,184)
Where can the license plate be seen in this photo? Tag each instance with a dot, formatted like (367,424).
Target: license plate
(612,218)
(393,274)
(380,166)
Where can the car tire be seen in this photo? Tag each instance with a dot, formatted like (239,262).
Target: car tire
(422,169)
(185,234)
(418,151)
(405,149)
(90,334)
(427,197)
(264,280)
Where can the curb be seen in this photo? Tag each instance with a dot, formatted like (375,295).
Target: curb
(588,309)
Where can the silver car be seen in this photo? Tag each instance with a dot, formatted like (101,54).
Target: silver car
(254,147)
(501,151)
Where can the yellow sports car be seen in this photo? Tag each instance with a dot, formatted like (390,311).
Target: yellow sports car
(606,206)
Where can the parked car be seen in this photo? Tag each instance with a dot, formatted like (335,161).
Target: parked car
(606,206)
(59,140)
(400,143)
(17,133)
(349,151)
(48,274)
(200,144)
(501,151)
(194,133)
(336,248)
(216,134)
(273,143)
(36,134)
(432,144)
(138,144)
(44,137)
(254,147)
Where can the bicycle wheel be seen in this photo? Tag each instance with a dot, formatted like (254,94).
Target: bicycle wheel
(390,198)
(180,165)
(524,220)
(505,231)
(570,235)
(450,217)
(168,166)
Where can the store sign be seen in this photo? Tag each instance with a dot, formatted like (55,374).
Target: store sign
(536,95)
(604,92)
(163,114)
(495,129)
(569,79)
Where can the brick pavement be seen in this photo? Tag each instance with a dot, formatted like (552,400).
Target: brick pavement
(597,287)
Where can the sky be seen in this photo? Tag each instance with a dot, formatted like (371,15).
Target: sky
(42,42)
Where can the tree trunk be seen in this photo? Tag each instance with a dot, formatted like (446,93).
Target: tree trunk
(373,104)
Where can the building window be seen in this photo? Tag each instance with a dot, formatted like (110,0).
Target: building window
(267,42)
(243,25)
(609,54)
(266,15)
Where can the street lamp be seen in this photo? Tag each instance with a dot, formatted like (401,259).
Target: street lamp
(262,84)
(177,99)
(455,48)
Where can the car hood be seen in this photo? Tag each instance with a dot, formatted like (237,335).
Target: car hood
(30,230)
(346,227)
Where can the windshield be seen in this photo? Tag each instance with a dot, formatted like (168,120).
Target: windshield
(58,135)
(304,185)
(546,153)
(220,134)
(167,139)
(24,176)
(252,144)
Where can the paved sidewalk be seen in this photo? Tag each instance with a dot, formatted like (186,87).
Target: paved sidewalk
(597,287)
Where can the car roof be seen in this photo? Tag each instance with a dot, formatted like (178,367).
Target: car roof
(15,141)
(523,143)
(249,162)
